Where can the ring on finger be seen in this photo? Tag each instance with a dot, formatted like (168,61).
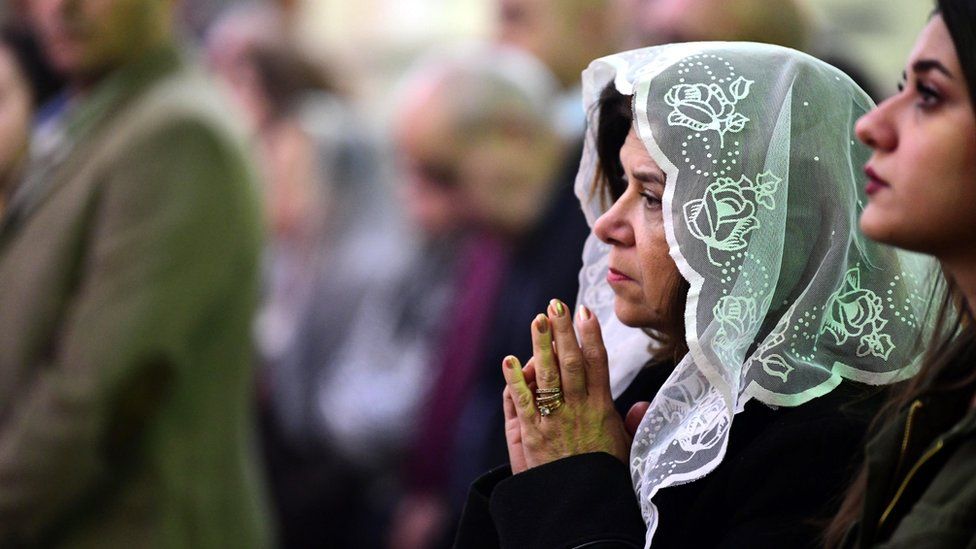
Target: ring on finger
(546,399)
(548,408)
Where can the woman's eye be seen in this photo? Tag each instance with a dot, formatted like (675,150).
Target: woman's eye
(928,97)
(650,200)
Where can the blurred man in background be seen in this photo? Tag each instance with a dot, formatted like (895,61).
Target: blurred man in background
(128,274)
(505,159)
(490,228)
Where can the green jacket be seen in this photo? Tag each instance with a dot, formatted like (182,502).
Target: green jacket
(128,276)
(921,490)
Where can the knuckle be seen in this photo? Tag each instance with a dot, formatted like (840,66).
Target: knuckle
(549,376)
(573,365)
(594,355)
(533,444)
(524,399)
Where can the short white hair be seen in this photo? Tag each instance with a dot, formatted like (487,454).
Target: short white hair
(484,76)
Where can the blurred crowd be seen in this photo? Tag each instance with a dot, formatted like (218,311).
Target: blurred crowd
(397,267)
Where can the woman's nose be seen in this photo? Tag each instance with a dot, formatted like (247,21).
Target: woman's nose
(875,129)
(612,227)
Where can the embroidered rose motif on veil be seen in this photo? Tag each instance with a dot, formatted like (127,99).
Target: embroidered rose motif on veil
(727,213)
(856,312)
(738,319)
(708,107)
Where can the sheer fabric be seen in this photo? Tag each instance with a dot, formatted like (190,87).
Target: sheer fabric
(761,205)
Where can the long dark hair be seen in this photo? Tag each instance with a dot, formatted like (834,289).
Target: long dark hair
(948,365)
(616,117)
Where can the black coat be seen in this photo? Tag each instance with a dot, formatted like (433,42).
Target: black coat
(782,477)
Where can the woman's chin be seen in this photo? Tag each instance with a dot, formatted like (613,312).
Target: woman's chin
(630,315)
(878,226)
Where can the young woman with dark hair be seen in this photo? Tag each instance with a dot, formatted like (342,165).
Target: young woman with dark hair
(918,485)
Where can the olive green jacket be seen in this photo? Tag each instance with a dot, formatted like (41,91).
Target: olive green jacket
(921,490)
(128,274)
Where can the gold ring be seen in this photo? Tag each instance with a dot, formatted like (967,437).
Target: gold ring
(546,409)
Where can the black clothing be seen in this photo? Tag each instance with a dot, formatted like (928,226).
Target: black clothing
(782,477)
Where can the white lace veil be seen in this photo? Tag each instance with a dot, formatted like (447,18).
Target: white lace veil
(761,204)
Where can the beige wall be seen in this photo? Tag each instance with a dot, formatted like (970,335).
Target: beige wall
(382,25)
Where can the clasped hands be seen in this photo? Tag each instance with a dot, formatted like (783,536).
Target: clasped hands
(586,421)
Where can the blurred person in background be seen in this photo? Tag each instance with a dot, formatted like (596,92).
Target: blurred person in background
(325,204)
(475,210)
(565,35)
(507,160)
(318,163)
(128,261)
(364,348)
(26,82)
(383,272)
(268,80)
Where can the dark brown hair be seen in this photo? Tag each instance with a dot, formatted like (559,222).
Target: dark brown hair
(285,75)
(616,116)
(948,365)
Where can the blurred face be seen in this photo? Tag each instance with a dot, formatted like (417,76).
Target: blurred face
(555,31)
(506,172)
(88,38)
(240,80)
(15,114)
(641,270)
(428,151)
(668,21)
(524,23)
(922,176)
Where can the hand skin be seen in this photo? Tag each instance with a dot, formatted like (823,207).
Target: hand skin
(587,421)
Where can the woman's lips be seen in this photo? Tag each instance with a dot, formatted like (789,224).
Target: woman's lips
(874,183)
(616,276)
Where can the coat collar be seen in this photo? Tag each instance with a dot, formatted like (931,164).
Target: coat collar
(935,422)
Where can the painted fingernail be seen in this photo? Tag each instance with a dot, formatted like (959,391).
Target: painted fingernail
(511,362)
(557,306)
(584,313)
(542,324)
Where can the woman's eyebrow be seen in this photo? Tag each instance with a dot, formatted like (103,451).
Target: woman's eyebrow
(648,175)
(928,65)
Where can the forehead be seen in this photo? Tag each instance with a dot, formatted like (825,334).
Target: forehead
(935,42)
(426,125)
(634,155)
